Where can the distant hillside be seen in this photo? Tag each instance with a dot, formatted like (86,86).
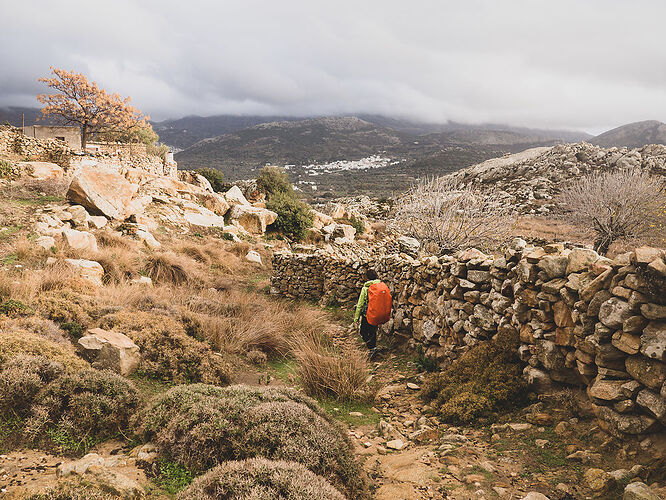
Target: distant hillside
(322,140)
(633,135)
(300,142)
(184,132)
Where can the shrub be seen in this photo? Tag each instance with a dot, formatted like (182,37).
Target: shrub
(78,409)
(167,352)
(485,379)
(214,176)
(168,268)
(294,216)
(274,181)
(624,204)
(357,223)
(447,217)
(21,378)
(203,426)
(17,342)
(326,371)
(13,307)
(260,479)
(6,169)
(66,306)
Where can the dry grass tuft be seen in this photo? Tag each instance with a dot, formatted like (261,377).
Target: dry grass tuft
(331,371)
(167,267)
(119,264)
(56,276)
(112,239)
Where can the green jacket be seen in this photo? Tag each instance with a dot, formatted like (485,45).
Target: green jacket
(362,303)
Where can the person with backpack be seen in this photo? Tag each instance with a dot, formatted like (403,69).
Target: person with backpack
(373,308)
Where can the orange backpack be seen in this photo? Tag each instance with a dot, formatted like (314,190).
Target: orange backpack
(379,304)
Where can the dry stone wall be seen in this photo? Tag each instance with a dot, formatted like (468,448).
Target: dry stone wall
(582,319)
(117,156)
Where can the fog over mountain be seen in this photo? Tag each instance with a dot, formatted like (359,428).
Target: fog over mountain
(587,66)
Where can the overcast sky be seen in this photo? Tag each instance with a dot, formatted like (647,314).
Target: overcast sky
(580,64)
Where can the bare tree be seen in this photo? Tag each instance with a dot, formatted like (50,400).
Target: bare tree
(442,214)
(624,204)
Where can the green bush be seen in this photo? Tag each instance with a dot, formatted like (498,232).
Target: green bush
(260,479)
(13,307)
(357,223)
(6,169)
(203,426)
(273,181)
(294,216)
(484,380)
(214,176)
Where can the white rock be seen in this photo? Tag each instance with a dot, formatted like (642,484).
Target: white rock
(110,350)
(98,221)
(80,240)
(148,239)
(80,466)
(253,256)
(43,171)
(235,197)
(395,444)
(89,270)
(45,242)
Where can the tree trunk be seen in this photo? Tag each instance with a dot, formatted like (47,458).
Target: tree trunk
(84,133)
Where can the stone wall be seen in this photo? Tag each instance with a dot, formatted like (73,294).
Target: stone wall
(115,156)
(582,319)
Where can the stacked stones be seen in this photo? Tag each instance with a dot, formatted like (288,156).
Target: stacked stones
(582,319)
(12,140)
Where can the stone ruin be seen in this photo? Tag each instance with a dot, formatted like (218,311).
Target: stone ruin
(583,320)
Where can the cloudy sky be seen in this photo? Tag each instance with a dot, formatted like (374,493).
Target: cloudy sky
(580,64)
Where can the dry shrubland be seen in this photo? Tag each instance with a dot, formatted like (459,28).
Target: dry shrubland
(626,204)
(446,217)
(260,479)
(203,426)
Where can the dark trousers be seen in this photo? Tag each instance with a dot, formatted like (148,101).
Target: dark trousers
(369,333)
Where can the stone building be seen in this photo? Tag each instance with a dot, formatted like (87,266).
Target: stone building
(70,135)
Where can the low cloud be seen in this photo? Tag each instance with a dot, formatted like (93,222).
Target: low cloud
(568,64)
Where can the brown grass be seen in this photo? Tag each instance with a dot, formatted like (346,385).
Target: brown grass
(170,268)
(112,239)
(119,263)
(331,371)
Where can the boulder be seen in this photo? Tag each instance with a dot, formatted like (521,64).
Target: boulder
(647,371)
(653,403)
(580,259)
(653,311)
(535,495)
(253,219)
(97,221)
(110,350)
(618,423)
(555,266)
(104,191)
(598,480)
(639,491)
(653,341)
(45,242)
(80,240)
(614,312)
(606,390)
(537,379)
(88,270)
(408,245)
(644,255)
(320,220)
(253,256)
(148,239)
(42,170)
(200,216)
(236,197)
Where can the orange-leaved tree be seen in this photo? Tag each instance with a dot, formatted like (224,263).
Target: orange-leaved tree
(83,103)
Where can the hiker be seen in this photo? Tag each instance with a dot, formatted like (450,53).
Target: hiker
(373,308)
